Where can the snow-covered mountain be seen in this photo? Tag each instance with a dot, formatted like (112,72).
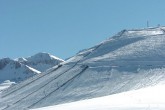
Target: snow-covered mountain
(41,61)
(14,71)
(131,59)
(22,68)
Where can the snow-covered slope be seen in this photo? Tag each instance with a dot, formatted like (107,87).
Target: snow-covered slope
(4,85)
(131,59)
(14,71)
(151,98)
(41,61)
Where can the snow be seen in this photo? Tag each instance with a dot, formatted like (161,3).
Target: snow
(143,32)
(130,60)
(15,71)
(151,98)
(4,85)
(33,69)
(20,69)
(39,57)
(21,59)
(41,61)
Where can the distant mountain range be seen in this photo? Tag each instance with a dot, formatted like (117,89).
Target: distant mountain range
(22,68)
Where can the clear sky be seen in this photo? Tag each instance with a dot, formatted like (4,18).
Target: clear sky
(63,27)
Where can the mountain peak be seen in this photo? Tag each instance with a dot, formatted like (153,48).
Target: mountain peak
(21,59)
(22,68)
(41,61)
(43,56)
(6,61)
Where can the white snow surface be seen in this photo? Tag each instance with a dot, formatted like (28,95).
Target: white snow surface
(130,60)
(150,98)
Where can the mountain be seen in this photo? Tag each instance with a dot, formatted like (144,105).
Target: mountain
(15,71)
(22,68)
(129,60)
(40,61)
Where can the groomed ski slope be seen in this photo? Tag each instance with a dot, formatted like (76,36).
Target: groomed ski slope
(150,98)
(132,59)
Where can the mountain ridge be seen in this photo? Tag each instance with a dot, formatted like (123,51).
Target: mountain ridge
(41,61)
(133,60)
(12,69)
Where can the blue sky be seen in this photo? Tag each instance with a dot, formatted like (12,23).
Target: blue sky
(63,27)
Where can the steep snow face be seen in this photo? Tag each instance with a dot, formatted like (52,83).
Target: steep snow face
(41,61)
(14,71)
(130,60)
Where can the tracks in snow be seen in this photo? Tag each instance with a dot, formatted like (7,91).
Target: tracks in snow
(51,92)
(63,84)
(49,82)
(20,87)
